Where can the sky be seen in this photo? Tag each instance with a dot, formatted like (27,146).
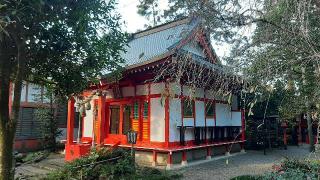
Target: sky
(128,10)
(134,22)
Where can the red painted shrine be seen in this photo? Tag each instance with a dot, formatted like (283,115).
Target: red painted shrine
(170,130)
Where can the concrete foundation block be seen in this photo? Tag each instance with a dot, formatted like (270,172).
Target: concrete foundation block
(184,163)
(154,164)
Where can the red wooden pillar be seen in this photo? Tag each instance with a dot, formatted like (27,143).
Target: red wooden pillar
(107,121)
(70,123)
(285,137)
(284,127)
(209,153)
(184,158)
(101,119)
(140,134)
(169,160)
(299,130)
(121,119)
(243,138)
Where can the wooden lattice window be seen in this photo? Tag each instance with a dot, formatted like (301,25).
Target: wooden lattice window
(145,110)
(187,108)
(135,110)
(210,109)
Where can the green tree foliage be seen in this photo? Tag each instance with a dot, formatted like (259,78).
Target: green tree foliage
(285,48)
(150,9)
(64,44)
(221,18)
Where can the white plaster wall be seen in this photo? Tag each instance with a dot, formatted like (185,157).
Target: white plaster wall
(45,98)
(175,88)
(23,92)
(200,92)
(157,88)
(234,102)
(127,91)
(210,122)
(175,119)
(186,91)
(188,122)
(209,94)
(221,97)
(200,116)
(223,115)
(88,122)
(142,89)
(34,93)
(157,121)
(236,118)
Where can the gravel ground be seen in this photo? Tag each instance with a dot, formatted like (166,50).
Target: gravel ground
(252,162)
(37,170)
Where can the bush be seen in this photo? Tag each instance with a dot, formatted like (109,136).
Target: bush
(289,169)
(295,169)
(155,174)
(246,177)
(35,157)
(107,164)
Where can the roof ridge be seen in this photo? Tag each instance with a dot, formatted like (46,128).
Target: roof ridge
(161,27)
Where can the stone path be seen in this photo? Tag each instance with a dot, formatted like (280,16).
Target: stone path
(37,170)
(252,162)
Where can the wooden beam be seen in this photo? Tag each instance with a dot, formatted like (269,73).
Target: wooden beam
(166,117)
(70,122)
(121,119)
(101,119)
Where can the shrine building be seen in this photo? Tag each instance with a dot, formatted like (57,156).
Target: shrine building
(173,127)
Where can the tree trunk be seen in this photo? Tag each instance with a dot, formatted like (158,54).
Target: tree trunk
(6,135)
(11,69)
(6,155)
(310,132)
(306,82)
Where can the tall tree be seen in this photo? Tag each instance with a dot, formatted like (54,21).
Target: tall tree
(286,47)
(222,18)
(64,43)
(150,9)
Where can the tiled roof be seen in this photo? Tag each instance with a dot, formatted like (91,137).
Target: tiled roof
(157,41)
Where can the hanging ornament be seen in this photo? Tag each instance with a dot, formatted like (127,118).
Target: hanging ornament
(82,110)
(77,107)
(88,106)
